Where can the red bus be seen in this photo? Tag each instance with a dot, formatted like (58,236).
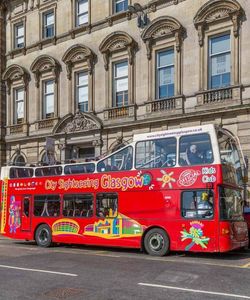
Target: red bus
(175,190)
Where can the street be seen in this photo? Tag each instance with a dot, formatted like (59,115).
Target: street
(82,272)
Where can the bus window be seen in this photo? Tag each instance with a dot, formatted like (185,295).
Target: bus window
(229,154)
(121,160)
(47,206)
(26,207)
(21,172)
(195,150)
(106,205)
(78,205)
(157,153)
(79,168)
(197,204)
(48,171)
(231,204)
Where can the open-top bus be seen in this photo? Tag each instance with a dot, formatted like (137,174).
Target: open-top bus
(175,190)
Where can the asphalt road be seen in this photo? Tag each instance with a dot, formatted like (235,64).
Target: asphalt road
(77,272)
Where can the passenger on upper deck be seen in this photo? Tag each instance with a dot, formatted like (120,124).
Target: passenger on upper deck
(192,155)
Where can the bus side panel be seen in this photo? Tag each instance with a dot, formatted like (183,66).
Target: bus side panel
(163,209)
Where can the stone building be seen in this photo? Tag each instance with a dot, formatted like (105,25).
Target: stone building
(89,74)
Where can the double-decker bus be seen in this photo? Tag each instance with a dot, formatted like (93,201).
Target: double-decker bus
(174,190)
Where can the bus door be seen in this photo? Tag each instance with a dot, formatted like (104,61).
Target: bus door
(26,213)
(199,230)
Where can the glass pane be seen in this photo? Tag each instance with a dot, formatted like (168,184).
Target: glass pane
(82,79)
(197,204)
(166,75)
(220,44)
(215,82)
(163,91)
(83,106)
(49,32)
(166,58)
(156,153)
(20,110)
(195,150)
(231,204)
(20,30)
(49,19)
(82,6)
(170,90)
(83,19)
(106,205)
(19,94)
(226,79)
(121,69)
(122,85)
(20,41)
(83,94)
(49,104)
(121,160)
(221,64)
(49,87)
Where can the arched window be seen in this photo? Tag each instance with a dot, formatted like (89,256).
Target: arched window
(46,71)
(79,61)
(118,51)
(19,160)
(163,39)
(17,79)
(218,24)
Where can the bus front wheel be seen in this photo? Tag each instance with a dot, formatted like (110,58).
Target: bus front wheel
(43,236)
(156,242)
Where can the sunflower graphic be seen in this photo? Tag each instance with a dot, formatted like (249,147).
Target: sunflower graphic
(166,179)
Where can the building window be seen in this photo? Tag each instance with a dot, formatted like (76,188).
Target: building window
(48,99)
(18,106)
(219,61)
(19,35)
(165,74)
(120,5)
(120,84)
(82,14)
(20,161)
(48,24)
(82,91)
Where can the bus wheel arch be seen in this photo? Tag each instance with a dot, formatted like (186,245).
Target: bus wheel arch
(43,235)
(155,241)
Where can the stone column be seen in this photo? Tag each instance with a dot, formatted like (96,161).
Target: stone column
(2,85)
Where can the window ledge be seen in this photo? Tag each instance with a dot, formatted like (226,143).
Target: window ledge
(230,95)
(124,112)
(17,129)
(46,123)
(81,28)
(118,16)
(17,51)
(173,105)
(47,41)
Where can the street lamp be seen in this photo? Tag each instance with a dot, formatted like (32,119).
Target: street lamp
(142,18)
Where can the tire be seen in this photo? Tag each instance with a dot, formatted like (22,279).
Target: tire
(156,242)
(43,236)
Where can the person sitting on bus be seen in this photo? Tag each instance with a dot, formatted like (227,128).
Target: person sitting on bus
(204,206)
(192,155)
(90,211)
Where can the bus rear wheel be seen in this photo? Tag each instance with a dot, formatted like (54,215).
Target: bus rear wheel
(43,236)
(156,242)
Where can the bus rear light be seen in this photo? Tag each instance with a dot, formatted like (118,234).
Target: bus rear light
(224,231)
